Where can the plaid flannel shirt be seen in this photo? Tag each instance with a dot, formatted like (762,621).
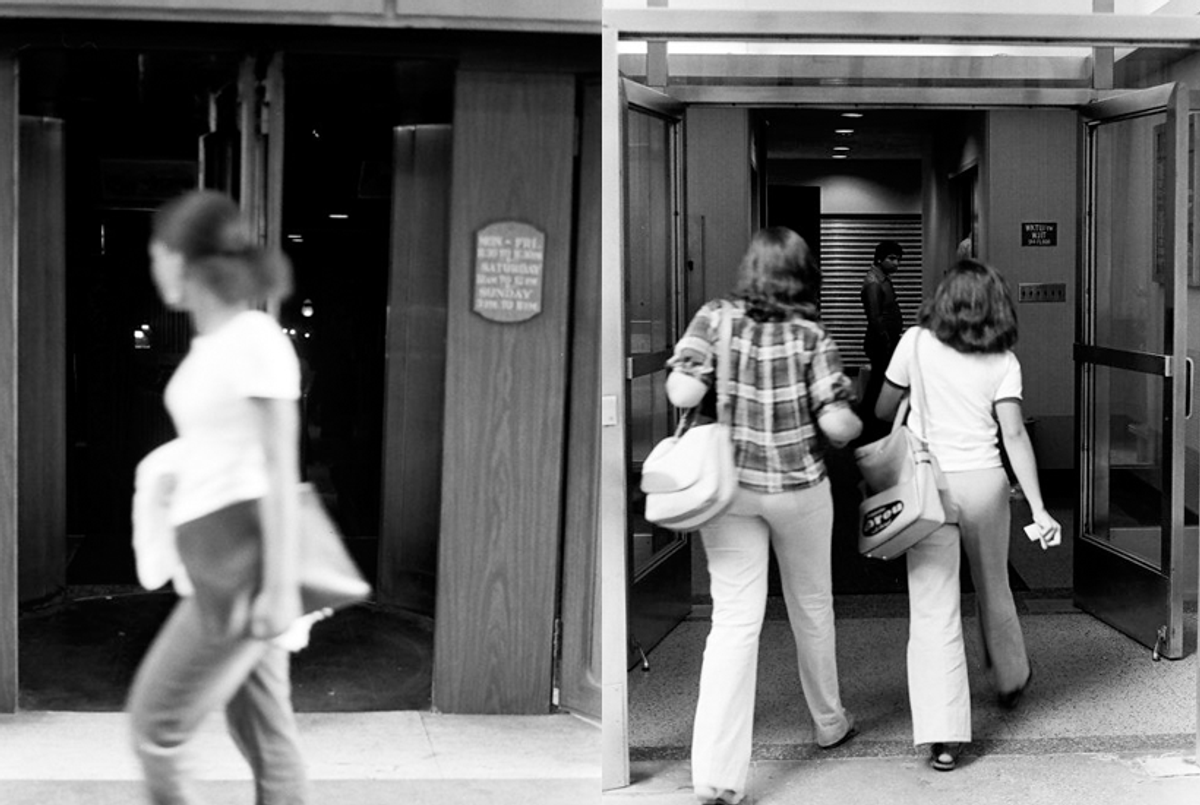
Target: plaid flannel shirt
(783,376)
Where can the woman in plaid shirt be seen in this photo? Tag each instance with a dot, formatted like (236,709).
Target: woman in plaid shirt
(789,400)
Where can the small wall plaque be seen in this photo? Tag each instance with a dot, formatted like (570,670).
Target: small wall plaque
(509,258)
(1039,233)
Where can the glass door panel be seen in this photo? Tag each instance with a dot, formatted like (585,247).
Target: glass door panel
(659,562)
(1130,366)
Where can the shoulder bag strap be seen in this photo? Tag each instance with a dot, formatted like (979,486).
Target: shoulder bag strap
(918,387)
(724,338)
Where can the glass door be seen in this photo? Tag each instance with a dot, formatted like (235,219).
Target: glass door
(659,560)
(1133,378)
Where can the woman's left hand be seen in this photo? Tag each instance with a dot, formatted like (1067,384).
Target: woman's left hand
(273,612)
(1049,527)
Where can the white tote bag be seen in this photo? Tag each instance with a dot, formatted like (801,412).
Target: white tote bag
(689,478)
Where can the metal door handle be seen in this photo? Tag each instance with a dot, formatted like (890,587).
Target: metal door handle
(1188,393)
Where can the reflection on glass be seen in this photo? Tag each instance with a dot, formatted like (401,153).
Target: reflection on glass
(650,244)
(1131,252)
(650,419)
(650,311)
(1128,463)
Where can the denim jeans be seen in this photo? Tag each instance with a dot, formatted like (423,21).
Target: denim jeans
(201,662)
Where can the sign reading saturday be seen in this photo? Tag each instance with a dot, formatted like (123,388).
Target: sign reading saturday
(509,257)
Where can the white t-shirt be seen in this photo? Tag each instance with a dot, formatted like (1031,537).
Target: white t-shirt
(961,390)
(221,460)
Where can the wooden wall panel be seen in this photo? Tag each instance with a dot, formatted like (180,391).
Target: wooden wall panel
(416,369)
(8,383)
(505,385)
(581,630)
(42,381)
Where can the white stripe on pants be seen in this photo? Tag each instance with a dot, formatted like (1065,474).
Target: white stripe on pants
(798,524)
(938,690)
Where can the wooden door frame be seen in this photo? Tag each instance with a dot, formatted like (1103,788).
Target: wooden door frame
(9,115)
(579,665)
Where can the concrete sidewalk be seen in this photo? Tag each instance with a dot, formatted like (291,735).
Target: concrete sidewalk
(48,758)
(1055,779)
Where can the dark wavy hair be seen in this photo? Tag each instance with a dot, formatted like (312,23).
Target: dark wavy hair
(972,310)
(208,229)
(778,278)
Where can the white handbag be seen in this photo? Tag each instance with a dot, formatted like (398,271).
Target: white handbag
(904,491)
(689,478)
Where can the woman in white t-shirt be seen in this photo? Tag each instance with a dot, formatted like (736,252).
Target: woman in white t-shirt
(972,385)
(234,508)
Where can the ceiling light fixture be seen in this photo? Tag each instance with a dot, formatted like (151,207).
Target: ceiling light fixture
(852,114)
(841,148)
(839,156)
(843,131)
(340,216)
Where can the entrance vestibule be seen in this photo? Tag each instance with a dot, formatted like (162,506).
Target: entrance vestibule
(1011,165)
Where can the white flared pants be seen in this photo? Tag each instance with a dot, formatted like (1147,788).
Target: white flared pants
(798,524)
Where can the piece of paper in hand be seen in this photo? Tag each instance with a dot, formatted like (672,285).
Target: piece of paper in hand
(1035,534)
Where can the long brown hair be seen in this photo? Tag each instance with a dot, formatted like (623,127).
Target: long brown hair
(972,310)
(778,277)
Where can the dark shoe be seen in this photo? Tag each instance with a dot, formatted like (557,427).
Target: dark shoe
(1010,700)
(850,733)
(944,757)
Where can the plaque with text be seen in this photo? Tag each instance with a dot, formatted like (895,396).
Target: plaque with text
(509,258)
(1039,233)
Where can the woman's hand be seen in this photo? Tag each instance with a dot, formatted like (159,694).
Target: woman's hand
(1049,527)
(273,611)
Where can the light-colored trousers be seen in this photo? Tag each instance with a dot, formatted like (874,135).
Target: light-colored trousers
(983,497)
(190,672)
(938,690)
(937,666)
(798,524)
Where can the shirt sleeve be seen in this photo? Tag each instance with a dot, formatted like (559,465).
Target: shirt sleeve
(694,354)
(1011,384)
(263,362)
(828,385)
(898,369)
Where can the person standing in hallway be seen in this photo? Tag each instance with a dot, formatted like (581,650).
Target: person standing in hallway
(789,400)
(972,388)
(885,323)
(234,509)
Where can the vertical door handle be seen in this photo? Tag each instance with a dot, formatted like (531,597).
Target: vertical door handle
(1189,393)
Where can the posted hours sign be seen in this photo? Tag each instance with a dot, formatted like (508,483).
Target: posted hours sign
(509,258)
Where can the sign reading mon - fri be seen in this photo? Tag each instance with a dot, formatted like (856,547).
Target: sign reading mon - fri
(509,257)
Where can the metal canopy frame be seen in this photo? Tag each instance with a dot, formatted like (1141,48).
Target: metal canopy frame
(1095,30)
(744,72)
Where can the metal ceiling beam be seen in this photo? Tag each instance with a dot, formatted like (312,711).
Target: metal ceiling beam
(1090,30)
(838,97)
(738,68)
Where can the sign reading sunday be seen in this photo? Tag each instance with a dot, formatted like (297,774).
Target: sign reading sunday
(509,258)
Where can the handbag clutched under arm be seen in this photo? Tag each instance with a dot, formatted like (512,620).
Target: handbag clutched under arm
(903,487)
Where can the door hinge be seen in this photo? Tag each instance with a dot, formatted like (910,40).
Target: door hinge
(556,663)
